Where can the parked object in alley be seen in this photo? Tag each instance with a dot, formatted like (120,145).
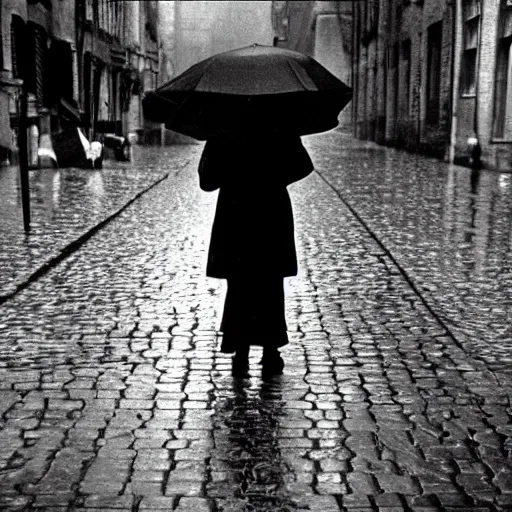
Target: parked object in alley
(72,149)
(119,145)
(93,152)
(248,90)
(474,152)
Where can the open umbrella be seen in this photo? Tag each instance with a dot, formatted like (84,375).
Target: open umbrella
(250,89)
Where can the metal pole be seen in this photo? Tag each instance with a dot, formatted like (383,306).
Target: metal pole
(23,157)
(455,75)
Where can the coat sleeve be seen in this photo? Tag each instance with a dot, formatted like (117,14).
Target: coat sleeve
(297,163)
(211,166)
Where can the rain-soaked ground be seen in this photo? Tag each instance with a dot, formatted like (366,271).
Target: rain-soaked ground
(114,395)
(449,227)
(65,205)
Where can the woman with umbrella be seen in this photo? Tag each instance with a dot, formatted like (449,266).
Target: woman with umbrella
(251,105)
(252,243)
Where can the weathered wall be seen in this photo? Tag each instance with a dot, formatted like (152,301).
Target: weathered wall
(167,36)
(63,21)
(10,7)
(392,71)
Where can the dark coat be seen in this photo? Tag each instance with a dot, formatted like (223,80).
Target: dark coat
(253,230)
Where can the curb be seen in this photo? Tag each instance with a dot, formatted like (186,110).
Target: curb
(74,245)
(405,275)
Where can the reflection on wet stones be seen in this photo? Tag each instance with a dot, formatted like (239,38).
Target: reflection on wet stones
(247,440)
(448,227)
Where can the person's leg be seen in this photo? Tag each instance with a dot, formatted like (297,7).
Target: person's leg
(232,326)
(254,314)
(272,363)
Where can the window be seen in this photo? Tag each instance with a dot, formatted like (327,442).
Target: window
(502,104)
(469,57)
(502,119)
(435,33)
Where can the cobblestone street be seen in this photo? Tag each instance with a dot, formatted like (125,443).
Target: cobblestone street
(67,205)
(396,390)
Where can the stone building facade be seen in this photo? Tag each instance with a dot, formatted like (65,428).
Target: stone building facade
(403,72)
(433,76)
(82,63)
(39,53)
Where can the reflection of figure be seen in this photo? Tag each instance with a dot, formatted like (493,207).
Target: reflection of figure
(252,243)
(475,180)
(248,446)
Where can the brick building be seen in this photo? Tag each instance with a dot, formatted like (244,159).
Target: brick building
(483,106)
(429,75)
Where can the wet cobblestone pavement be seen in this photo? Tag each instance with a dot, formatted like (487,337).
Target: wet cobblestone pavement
(114,396)
(450,229)
(65,205)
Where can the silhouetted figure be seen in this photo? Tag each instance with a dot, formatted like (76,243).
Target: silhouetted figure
(252,243)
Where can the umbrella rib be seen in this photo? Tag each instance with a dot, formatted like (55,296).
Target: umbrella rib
(307,86)
(208,65)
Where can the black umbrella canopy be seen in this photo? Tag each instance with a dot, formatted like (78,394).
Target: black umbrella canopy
(252,88)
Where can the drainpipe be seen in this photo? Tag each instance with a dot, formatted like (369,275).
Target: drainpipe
(422,98)
(456,68)
(355,62)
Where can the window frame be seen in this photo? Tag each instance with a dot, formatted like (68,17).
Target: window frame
(504,57)
(472,51)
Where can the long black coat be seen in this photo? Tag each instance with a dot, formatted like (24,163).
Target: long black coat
(253,232)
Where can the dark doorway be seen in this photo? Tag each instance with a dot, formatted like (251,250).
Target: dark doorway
(435,35)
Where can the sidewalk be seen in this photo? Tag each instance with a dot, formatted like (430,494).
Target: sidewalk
(114,395)
(68,206)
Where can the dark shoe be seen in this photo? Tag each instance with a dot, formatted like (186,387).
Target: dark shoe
(272,364)
(240,366)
